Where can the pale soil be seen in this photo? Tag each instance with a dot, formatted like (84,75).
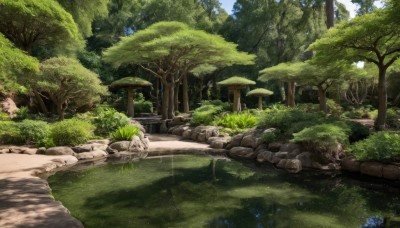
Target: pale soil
(25,199)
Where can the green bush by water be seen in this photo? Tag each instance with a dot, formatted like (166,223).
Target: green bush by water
(236,122)
(9,133)
(125,133)
(381,146)
(71,132)
(107,120)
(34,131)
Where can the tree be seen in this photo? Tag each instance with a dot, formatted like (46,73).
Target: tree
(168,50)
(235,84)
(364,6)
(373,38)
(67,83)
(259,93)
(13,64)
(45,23)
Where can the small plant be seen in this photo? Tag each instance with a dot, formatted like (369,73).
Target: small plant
(9,133)
(236,121)
(334,108)
(141,105)
(205,114)
(269,137)
(34,131)
(4,116)
(381,146)
(71,132)
(23,113)
(107,120)
(125,133)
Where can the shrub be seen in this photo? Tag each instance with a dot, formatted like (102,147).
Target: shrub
(381,146)
(4,116)
(34,131)
(334,108)
(393,118)
(357,131)
(71,132)
(324,136)
(125,133)
(141,105)
(269,137)
(23,113)
(205,114)
(224,105)
(236,123)
(107,120)
(9,133)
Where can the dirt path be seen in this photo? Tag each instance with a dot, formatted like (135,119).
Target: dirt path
(25,199)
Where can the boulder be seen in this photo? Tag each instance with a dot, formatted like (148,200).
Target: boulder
(91,155)
(351,164)
(4,151)
(203,133)
(251,141)
(289,147)
(179,130)
(60,150)
(274,146)
(372,169)
(187,134)
(261,147)
(269,130)
(201,137)
(9,107)
(217,144)
(293,165)
(391,172)
(305,159)
(194,136)
(242,152)
(294,153)
(120,146)
(18,149)
(100,141)
(30,151)
(99,146)
(146,143)
(41,150)
(82,148)
(163,126)
(264,156)
(282,163)
(281,154)
(136,145)
(275,159)
(235,142)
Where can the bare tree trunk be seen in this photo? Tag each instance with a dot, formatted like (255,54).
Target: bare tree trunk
(158,98)
(282,91)
(185,89)
(260,102)
(291,93)
(130,103)
(60,111)
(41,102)
(322,99)
(171,108)
(236,100)
(165,101)
(330,13)
(176,96)
(382,98)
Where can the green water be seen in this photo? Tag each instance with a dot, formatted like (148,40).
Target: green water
(201,191)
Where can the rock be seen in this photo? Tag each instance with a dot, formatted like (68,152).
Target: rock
(242,152)
(208,131)
(91,155)
(282,163)
(264,156)
(274,146)
(30,151)
(120,146)
(334,166)
(178,119)
(391,172)
(289,147)
(60,150)
(41,150)
(372,169)
(4,151)
(100,141)
(99,146)
(163,126)
(293,165)
(275,159)
(9,107)
(294,153)
(351,164)
(18,149)
(187,134)
(194,136)
(281,154)
(217,144)
(136,145)
(261,147)
(111,151)
(146,143)
(179,130)
(251,141)
(82,148)
(269,130)
(305,159)
(201,137)
(235,142)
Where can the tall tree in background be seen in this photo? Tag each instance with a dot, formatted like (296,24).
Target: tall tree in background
(373,38)
(364,6)
(330,13)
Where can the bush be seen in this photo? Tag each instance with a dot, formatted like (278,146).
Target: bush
(34,132)
(357,131)
(334,108)
(360,113)
(324,136)
(71,132)
(141,105)
(9,133)
(107,120)
(269,137)
(125,133)
(236,123)
(4,116)
(23,113)
(393,118)
(205,114)
(381,146)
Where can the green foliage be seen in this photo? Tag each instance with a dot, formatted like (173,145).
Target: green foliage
(235,80)
(324,136)
(205,114)
(334,108)
(141,105)
(71,132)
(130,82)
(357,131)
(125,133)
(4,116)
(34,132)
(107,120)
(393,118)
(359,113)
(236,122)
(269,137)
(23,113)
(9,133)
(381,146)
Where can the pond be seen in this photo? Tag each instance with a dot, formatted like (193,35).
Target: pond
(204,191)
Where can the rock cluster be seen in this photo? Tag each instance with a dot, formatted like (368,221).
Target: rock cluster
(376,169)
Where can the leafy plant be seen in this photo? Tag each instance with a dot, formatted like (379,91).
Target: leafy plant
(34,131)
(381,146)
(205,114)
(9,133)
(141,105)
(23,113)
(334,108)
(125,133)
(71,132)
(269,137)
(4,116)
(107,120)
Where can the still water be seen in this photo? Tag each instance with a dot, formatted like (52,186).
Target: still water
(203,191)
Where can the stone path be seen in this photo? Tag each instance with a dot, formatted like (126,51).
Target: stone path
(25,199)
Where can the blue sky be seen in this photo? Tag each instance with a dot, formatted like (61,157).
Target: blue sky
(228,4)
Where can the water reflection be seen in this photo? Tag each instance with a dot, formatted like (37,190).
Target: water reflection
(198,191)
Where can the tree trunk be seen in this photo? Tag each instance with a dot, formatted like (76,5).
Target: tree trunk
(330,13)
(130,102)
(382,98)
(260,102)
(165,101)
(291,92)
(322,99)
(185,94)
(171,109)
(158,98)
(176,97)
(282,91)
(60,111)
(41,102)
(236,100)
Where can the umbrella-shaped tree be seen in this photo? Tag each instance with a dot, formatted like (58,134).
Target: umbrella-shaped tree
(260,92)
(130,84)
(235,84)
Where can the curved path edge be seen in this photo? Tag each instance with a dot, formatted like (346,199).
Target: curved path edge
(25,199)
